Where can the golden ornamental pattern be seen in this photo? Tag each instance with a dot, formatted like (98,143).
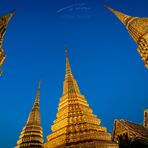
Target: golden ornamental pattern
(75,123)
(32,135)
(138,29)
(3,25)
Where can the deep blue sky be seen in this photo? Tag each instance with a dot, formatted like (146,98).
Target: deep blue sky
(103,57)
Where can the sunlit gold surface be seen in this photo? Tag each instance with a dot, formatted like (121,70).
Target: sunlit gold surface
(146,118)
(32,135)
(123,128)
(2,58)
(76,125)
(138,29)
(3,25)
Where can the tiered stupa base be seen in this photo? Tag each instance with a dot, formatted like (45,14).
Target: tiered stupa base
(91,144)
(94,144)
(87,139)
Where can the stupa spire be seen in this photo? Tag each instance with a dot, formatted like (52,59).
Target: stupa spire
(124,18)
(70,85)
(68,68)
(34,116)
(75,124)
(37,100)
(32,135)
(4,20)
(138,30)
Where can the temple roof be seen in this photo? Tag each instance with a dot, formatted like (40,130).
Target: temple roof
(134,127)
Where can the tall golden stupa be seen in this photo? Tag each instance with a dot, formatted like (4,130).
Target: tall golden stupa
(32,135)
(75,125)
(138,29)
(4,20)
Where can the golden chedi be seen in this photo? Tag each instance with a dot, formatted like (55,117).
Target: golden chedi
(3,25)
(138,29)
(76,125)
(32,135)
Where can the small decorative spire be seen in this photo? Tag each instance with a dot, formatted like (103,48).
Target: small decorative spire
(37,100)
(68,68)
(146,118)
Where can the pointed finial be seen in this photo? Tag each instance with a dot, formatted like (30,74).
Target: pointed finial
(109,8)
(68,68)
(106,6)
(66,50)
(124,18)
(37,100)
(9,15)
(39,84)
(13,11)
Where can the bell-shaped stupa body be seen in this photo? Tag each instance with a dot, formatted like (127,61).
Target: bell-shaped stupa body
(76,125)
(138,30)
(32,135)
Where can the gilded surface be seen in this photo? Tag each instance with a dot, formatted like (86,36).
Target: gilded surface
(138,29)
(32,135)
(2,58)
(132,130)
(75,123)
(146,118)
(94,144)
(119,129)
(3,25)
